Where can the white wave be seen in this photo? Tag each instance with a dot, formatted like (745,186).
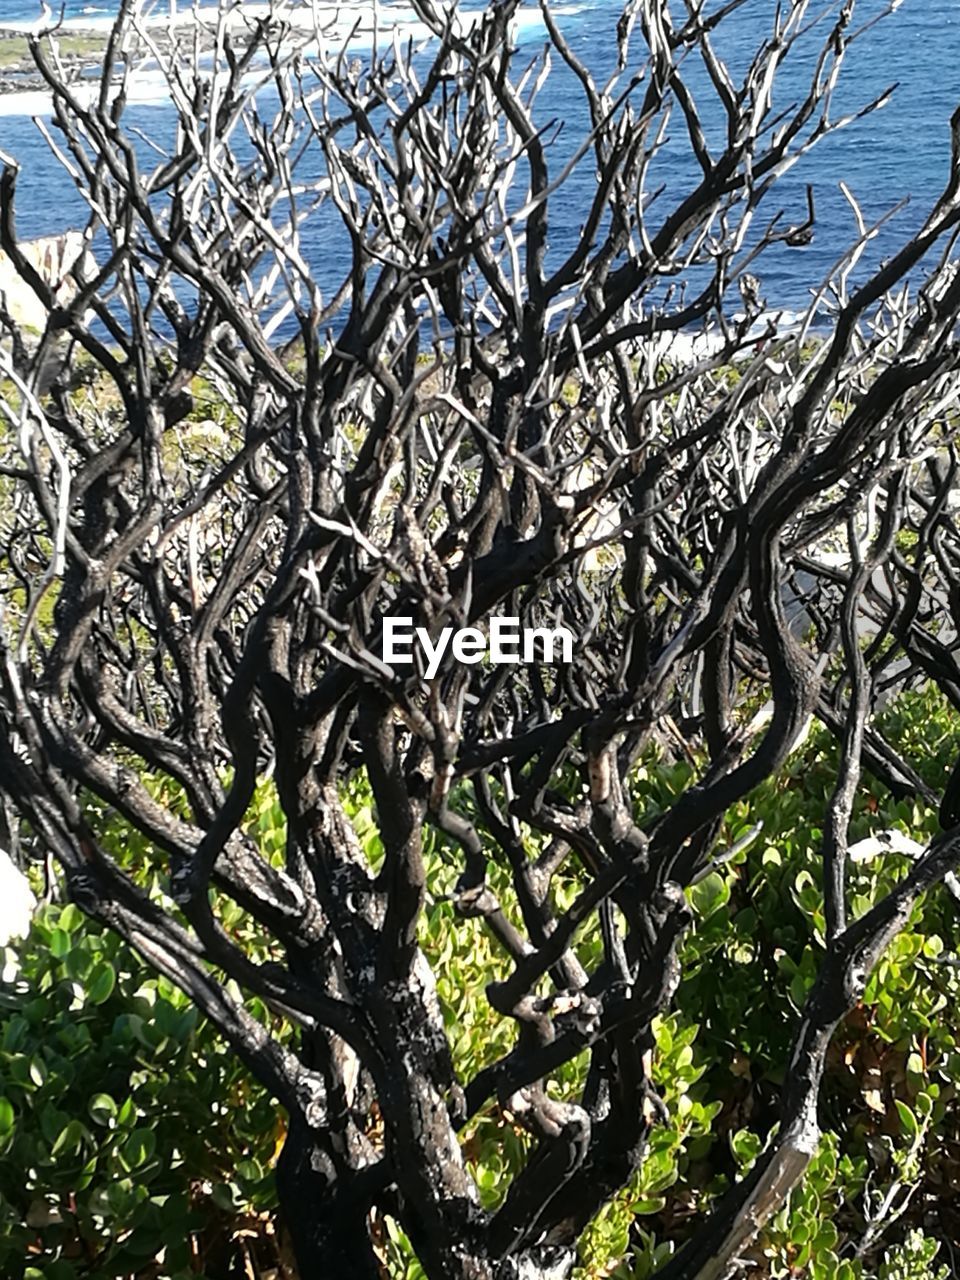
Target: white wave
(93,25)
(145,89)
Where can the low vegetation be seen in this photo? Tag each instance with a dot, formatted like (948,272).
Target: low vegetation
(133,1144)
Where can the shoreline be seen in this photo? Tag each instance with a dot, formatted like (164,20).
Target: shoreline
(331,26)
(83,41)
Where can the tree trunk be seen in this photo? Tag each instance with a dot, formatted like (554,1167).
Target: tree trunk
(326,1218)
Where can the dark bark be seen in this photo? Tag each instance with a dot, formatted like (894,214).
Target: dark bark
(328,1222)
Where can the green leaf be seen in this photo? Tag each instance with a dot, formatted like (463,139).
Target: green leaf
(102,981)
(71,917)
(52,1122)
(102,1108)
(7,1116)
(649,1204)
(59,943)
(69,1139)
(249,1171)
(907,1119)
(227,1196)
(709,895)
(139,1147)
(746,1146)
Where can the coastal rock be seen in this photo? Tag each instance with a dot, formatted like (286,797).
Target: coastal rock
(17,902)
(55,258)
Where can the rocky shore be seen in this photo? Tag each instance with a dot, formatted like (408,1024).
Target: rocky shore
(81,45)
(80,52)
(18,71)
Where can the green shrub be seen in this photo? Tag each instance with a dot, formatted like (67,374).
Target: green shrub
(131,1142)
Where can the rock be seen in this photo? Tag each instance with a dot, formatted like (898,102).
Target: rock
(17,903)
(54,258)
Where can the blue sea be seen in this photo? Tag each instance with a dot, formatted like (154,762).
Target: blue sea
(901,151)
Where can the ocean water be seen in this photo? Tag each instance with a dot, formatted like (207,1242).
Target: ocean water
(900,152)
(16,11)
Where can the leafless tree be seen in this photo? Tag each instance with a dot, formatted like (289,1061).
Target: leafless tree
(468,424)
